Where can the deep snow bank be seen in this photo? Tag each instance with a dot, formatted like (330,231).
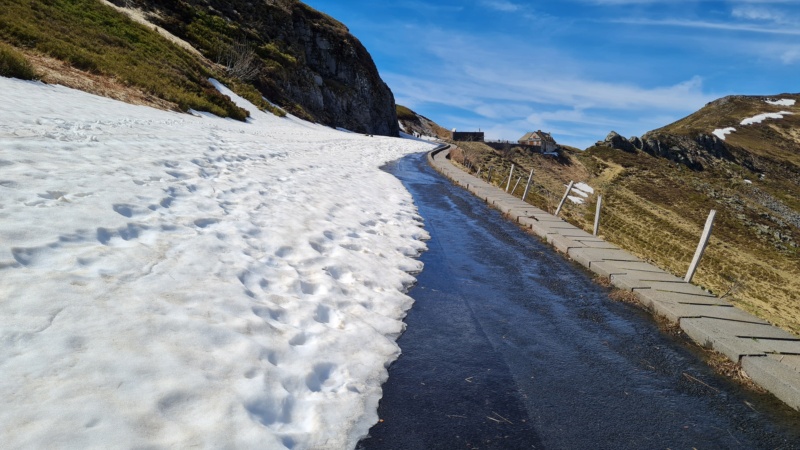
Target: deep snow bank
(169,280)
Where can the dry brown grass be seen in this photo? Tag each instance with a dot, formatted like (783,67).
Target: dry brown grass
(55,71)
(603,281)
(724,366)
(624,296)
(656,210)
(718,362)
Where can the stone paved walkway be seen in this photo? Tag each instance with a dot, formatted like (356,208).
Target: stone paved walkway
(769,355)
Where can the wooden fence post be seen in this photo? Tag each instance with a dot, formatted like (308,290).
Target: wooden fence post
(527,186)
(701,246)
(564,198)
(510,174)
(597,214)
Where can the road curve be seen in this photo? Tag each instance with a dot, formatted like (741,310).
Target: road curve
(510,346)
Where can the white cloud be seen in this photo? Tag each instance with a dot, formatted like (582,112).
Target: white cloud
(499,111)
(791,56)
(753,13)
(506,96)
(575,115)
(428,7)
(710,25)
(672,2)
(626,2)
(502,5)
(778,16)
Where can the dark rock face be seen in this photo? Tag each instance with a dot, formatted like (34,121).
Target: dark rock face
(308,62)
(614,140)
(337,81)
(693,153)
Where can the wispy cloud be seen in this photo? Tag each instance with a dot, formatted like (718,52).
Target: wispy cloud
(673,2)
(753,13)
(729,26)
(426,6)
(791,56)
(493,86)
(762,14)
(502,5)
(636,2)
(578,68)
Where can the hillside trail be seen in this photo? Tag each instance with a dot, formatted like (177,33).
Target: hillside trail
(509,345)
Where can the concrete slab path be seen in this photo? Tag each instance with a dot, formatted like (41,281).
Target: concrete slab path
(769,355)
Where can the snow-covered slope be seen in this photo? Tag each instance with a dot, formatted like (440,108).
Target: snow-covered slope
(177,281)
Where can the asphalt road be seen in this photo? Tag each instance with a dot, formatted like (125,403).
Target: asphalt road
(509,345)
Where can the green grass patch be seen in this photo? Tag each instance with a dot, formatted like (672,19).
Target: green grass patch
(14,64)
(96,38)
(404,113)
(273,51)
(251,94)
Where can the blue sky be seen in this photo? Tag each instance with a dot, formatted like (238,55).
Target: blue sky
(576,68)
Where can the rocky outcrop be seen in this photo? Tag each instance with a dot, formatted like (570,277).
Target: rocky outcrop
(335,79)
(695,153)
(614,140)
(304,61)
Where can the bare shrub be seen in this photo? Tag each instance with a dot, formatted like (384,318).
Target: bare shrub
(239,59)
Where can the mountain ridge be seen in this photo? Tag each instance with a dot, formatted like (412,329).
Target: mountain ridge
(309,62)
(658,189)
(301,59)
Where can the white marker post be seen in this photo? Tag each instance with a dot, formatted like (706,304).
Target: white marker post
(510,174)
(597,214)
(515,185)
(527,186)
(564,198)
(701,246)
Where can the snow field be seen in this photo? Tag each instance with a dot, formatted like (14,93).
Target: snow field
(762,117)
(176,281)
(781,102)
(722,132)
(582,191)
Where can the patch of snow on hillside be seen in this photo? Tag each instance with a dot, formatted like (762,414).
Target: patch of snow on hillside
(576,200)
(722,132)
(583,187)
(178,281)
(761,117)
(781,102)
(579,192)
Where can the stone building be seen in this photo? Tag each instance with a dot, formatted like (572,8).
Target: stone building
(543,141)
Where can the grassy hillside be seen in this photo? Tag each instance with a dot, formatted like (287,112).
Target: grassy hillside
(299,58)
(774,138)
(656,209)
(98,40)
(413,122)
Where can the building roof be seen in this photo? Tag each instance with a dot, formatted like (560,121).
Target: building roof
(545,137)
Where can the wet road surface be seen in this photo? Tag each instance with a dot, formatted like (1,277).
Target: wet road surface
(511,346)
